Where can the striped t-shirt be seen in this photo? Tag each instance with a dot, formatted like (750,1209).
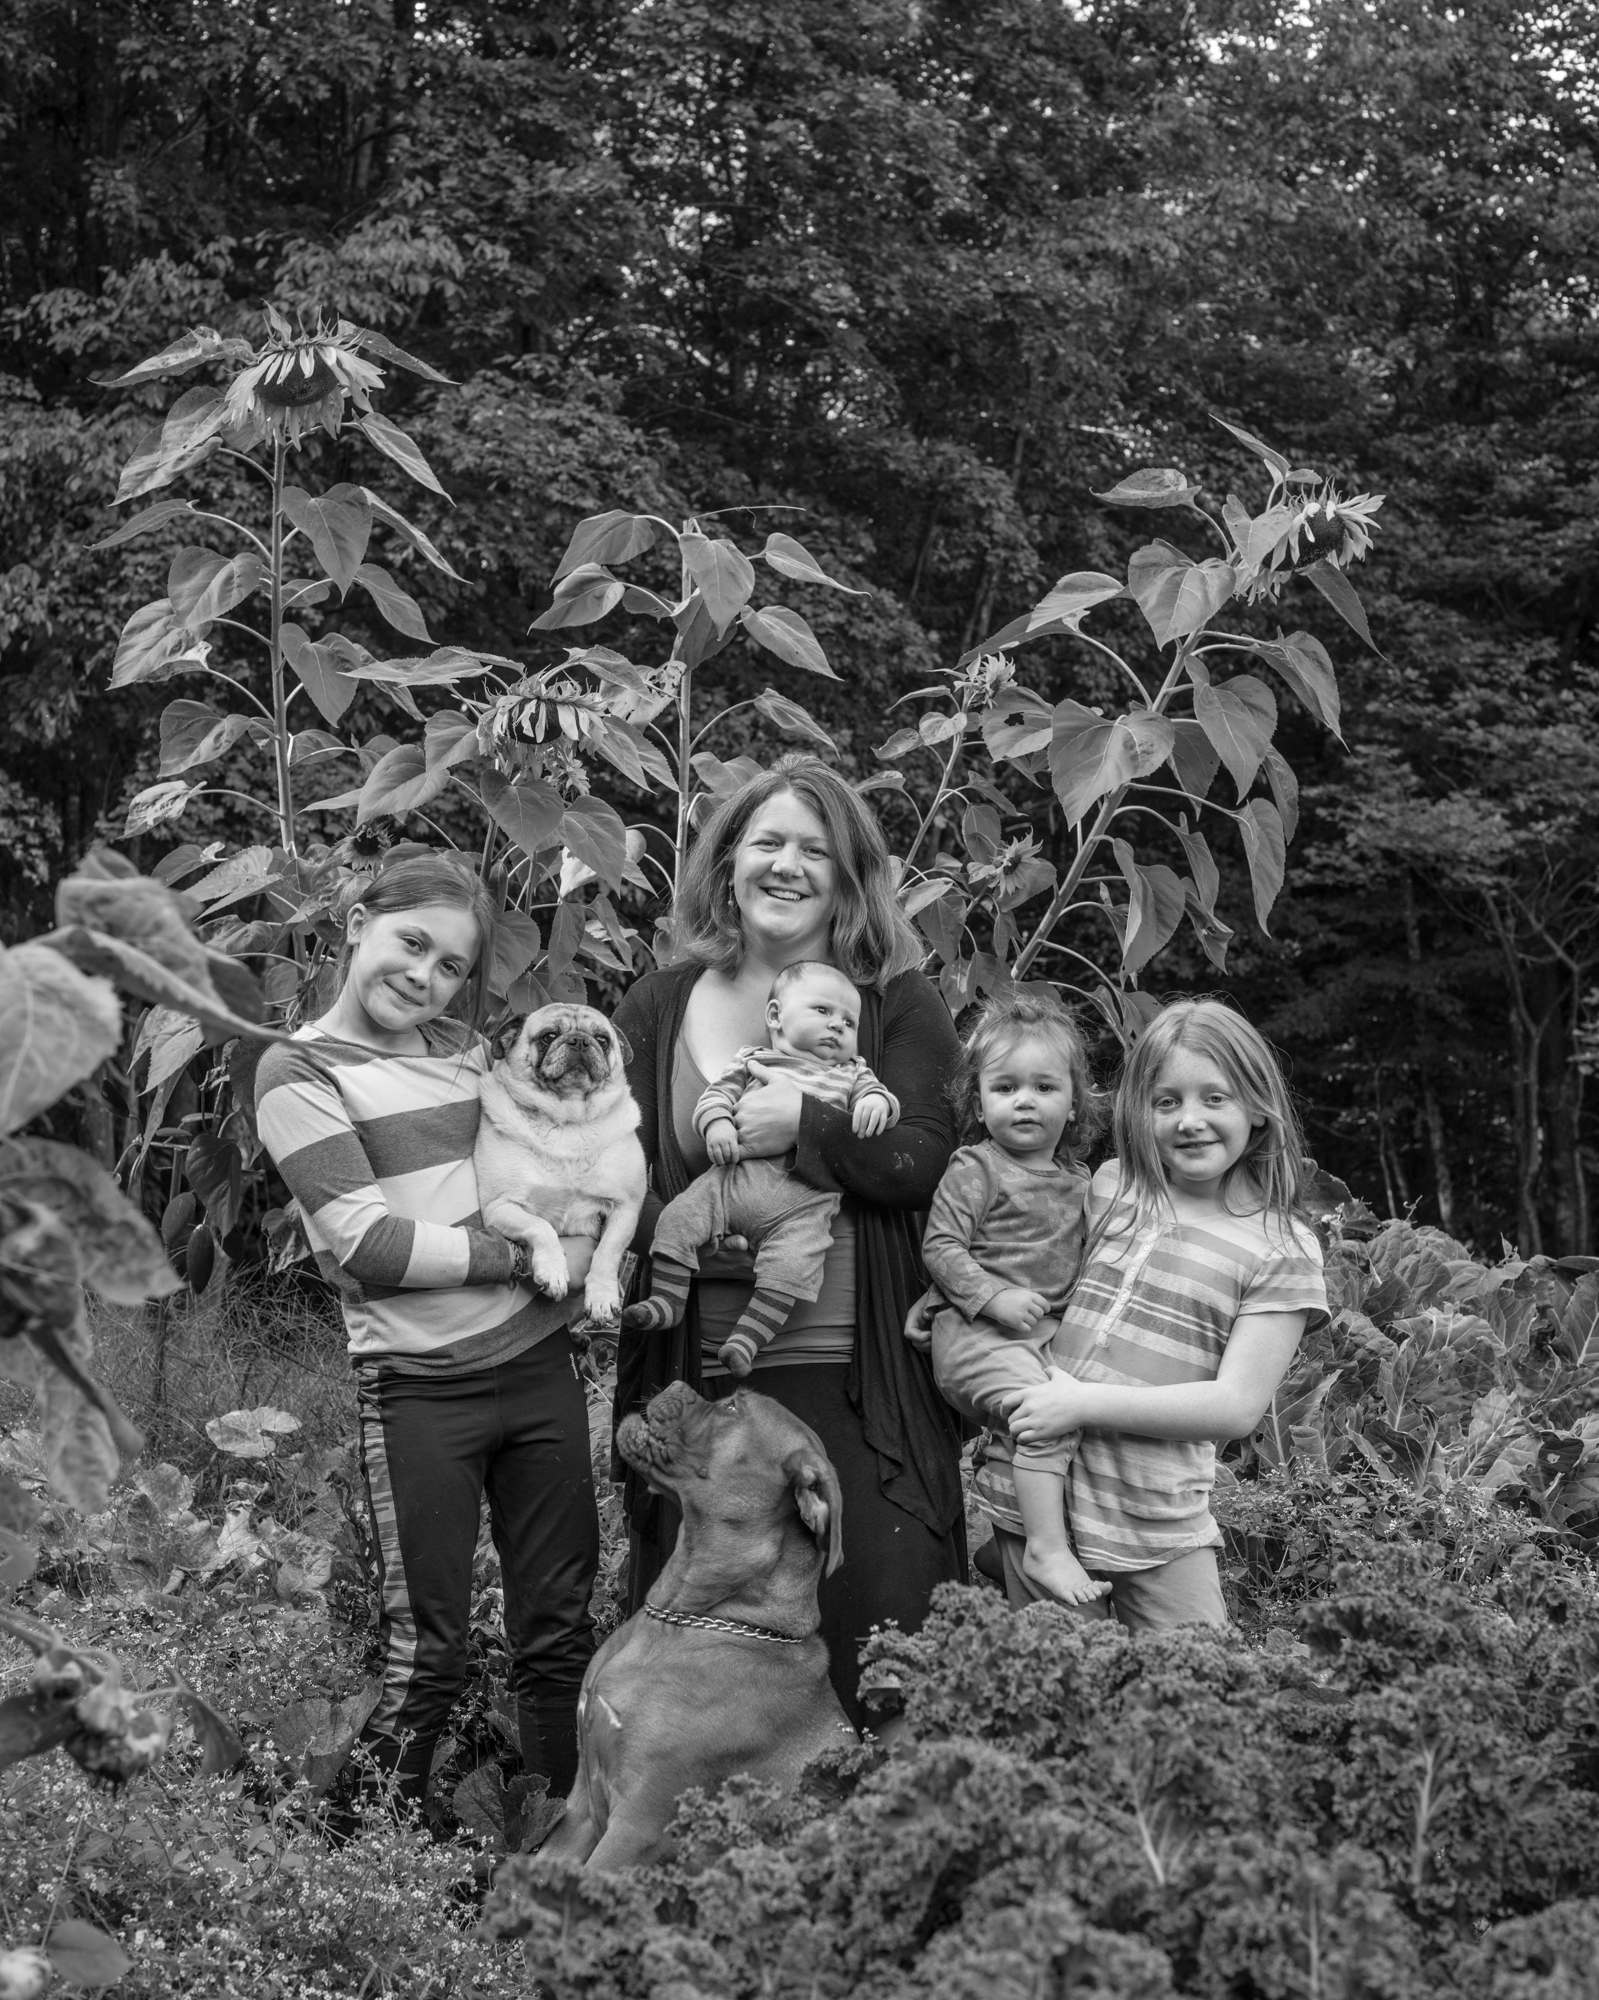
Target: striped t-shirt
(842,1084)
(377,1149)
(1155,1307)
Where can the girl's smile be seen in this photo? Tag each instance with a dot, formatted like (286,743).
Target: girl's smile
(1201,1129)
(406,968)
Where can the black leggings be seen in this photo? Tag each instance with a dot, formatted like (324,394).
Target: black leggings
(891,1562)
(430,1449)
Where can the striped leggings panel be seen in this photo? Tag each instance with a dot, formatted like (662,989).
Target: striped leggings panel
(431,1449)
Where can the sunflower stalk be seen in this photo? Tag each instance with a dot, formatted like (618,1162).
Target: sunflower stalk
(281,739)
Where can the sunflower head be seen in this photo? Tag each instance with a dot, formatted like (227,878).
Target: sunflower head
(982,681)
(1331,529)
(299,381)
(1322,527)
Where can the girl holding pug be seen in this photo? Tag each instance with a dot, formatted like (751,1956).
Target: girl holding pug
(794,867)
(466,1382)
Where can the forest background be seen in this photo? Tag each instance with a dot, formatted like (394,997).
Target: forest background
(933,273)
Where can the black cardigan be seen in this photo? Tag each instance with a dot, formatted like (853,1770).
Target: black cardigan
(907,1037)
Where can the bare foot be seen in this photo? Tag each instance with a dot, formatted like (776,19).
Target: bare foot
(1058,1573)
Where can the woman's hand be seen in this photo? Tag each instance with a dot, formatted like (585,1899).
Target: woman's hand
(1046,1413)
(768,1114)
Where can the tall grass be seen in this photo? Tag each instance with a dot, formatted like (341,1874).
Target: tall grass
(246,1341)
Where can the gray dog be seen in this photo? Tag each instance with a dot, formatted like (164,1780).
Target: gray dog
(724,1670)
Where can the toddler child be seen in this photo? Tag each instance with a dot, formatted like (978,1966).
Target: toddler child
(1004,1240)
(1199,1279)
(812,1018)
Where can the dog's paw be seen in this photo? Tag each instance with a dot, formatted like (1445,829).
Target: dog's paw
(602,1301)
(550,1274)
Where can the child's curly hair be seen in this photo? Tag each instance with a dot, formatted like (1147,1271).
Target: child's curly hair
(1000,1026)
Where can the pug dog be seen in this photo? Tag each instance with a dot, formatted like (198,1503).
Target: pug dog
(558,1152)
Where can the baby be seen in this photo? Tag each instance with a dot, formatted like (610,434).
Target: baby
(812,1018)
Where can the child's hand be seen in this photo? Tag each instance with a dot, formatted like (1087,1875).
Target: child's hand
(1048,1412)
(1016,1309)
(918,1327)
(870,1117)
(721,1142)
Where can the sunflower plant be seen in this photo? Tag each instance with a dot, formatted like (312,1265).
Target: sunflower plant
(516,753)
(995,909)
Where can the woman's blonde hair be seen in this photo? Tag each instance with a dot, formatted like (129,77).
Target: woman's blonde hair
(1272,1165)
(997,1031)
(872,938)
(440,877)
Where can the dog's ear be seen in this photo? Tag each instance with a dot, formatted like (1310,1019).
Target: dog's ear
(502,1036)
(624,1048)
(821,1504)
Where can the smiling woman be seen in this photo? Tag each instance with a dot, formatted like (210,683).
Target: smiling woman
(794,868)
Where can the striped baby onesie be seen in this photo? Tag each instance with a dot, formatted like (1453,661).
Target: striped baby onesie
(1155,1307)
(377,1149)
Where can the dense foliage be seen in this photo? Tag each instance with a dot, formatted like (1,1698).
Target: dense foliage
(934,273)
(1382,1785)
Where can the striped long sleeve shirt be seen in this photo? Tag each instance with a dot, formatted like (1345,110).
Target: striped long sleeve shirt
(377,1149)
(843,1084)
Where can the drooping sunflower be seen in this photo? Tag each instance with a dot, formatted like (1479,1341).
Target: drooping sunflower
(298,381)
(1325,526)
(1331,528)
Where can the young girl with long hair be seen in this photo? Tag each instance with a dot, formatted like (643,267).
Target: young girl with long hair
(1004,1241)
(1200,1277)
(466,1382)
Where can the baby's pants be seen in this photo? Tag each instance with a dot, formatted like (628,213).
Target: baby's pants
(788,1224)
(977,1362)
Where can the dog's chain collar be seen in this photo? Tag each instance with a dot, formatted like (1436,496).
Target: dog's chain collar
(721,1625)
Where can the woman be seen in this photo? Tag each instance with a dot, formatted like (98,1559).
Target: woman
(793,867)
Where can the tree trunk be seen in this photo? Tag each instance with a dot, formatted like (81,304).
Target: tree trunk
(1432,1110)
(1561,1087)
(1525,1120)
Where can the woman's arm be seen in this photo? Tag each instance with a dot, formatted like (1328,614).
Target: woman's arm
(1254,1361)
(899,1168)
(638,1019)
(307,1129)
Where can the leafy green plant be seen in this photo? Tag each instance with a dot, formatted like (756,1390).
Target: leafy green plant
(507,771)
(1438,1371)
(64,1223)
(1347,1810)
(1119,779)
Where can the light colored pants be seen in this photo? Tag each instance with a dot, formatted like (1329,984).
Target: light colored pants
(786,1222)
(1185,1591)
(978,1362)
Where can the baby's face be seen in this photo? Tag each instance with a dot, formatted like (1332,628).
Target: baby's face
(817,1015)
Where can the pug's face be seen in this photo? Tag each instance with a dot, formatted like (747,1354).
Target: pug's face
(566,1052)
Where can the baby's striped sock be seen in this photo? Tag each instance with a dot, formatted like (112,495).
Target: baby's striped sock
(664,1306)
(761,1318)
